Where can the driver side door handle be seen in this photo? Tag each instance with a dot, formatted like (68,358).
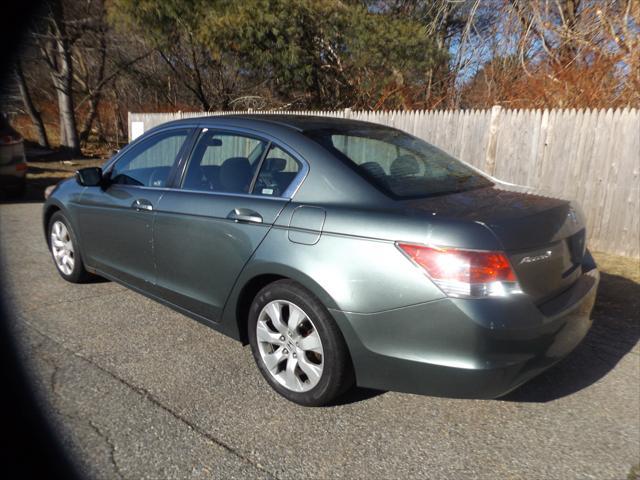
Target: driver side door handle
(142,204)
(244,215)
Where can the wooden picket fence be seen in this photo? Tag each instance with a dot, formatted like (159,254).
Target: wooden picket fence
(590,156)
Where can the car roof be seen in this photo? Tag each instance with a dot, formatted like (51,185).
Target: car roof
(297,122)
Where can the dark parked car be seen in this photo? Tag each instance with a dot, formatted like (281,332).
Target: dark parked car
(13,165)
(343,252)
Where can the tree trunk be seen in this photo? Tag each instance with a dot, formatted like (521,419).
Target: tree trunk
(94,92)
(63,139)
(63,80)
(65,103)
(87,125)
(29,106)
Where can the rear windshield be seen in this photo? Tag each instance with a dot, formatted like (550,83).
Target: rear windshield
(399,164)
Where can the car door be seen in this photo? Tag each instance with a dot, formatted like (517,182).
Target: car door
(207,229)
(116,220)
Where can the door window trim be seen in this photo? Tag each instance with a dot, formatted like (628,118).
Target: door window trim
(271,142)
(180,177)
(184,149)
(177,174)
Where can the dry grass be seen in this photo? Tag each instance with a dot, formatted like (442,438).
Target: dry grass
(622,266)
(59,168)
(44,172)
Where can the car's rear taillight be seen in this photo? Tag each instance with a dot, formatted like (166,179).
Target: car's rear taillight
(20,167)
(465,273)
(9,139)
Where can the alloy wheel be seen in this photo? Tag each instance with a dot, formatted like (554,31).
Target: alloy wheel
(290,346)
(62,247)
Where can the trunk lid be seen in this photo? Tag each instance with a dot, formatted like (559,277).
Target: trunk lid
(543,237)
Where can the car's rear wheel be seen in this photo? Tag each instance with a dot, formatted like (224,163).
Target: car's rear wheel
(65,251)
(297,346)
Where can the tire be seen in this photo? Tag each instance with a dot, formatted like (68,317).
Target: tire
(72,271)
(331,372)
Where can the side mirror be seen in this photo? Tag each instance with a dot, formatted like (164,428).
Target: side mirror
(89,177)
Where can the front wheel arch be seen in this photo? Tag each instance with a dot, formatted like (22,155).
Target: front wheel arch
(78,273)
(46,218)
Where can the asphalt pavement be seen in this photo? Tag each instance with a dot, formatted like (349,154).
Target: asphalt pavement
(137,390)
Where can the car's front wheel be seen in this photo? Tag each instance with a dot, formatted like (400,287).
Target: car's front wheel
(64,250)
(297,345)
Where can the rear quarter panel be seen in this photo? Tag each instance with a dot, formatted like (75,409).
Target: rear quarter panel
(346,273)
(355,265)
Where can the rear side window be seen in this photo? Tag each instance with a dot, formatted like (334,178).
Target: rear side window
(399,164)
(276,173)
(223,162)
(149,163)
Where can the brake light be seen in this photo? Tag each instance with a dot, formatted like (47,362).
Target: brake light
(8,139)
(465,273)
(21,167)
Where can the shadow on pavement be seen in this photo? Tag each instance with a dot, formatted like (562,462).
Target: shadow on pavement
(357,394)
(615,332)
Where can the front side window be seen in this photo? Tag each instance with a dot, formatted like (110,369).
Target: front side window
(399,164)
(223,162)
(276,173)
(149,163)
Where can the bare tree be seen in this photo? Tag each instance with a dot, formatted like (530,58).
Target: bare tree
(29,106)
(99,56)
(55,42)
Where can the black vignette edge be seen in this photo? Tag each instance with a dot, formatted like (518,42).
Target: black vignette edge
(29,446)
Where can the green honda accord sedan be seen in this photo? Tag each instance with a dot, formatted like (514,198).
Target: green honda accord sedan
(344,252)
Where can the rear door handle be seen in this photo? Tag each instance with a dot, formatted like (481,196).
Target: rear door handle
(244,215)
(142,204)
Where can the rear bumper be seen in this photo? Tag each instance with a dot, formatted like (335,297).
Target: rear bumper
(467,348)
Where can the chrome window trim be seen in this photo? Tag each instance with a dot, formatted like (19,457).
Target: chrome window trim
(198,135)
(288,194)
(159,129)
(295,184)
(220,194)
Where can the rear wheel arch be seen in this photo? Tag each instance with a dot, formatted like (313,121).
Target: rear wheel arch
(245,298)
(323,368)
(258,281)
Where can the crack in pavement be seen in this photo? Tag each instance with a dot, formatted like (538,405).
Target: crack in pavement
(155,401)
(53,381)
(112,447)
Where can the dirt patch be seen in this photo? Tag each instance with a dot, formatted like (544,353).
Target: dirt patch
(616,265)
(45,171)
(60,168)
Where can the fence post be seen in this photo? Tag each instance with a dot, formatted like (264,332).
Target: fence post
(492,142)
